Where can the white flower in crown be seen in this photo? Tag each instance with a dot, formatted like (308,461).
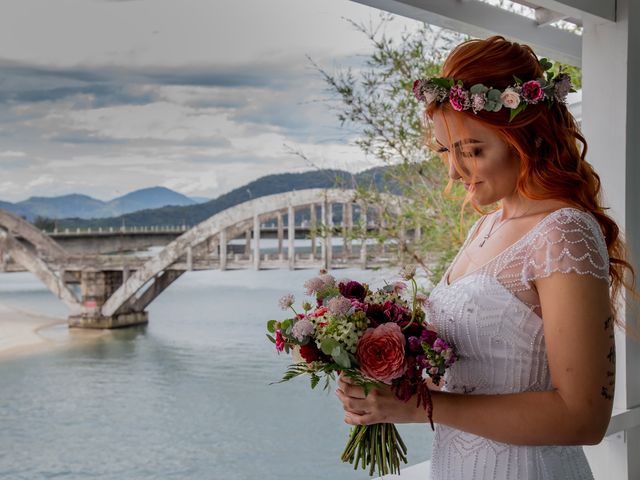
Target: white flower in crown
(510,98)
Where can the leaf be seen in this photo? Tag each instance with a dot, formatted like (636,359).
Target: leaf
(343,359)
(271,338)
(294,371)
(517,110)
(518,81)
(327,345)
(271,326)
(314,380)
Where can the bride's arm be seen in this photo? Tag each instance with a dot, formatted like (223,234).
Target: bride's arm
(578,330)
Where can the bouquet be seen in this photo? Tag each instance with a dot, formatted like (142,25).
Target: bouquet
(373,337)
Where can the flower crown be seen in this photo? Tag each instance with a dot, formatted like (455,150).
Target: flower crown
(479,97)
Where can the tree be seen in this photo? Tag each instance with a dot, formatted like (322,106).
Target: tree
(381,105)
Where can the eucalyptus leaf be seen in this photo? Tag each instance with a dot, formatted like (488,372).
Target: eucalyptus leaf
(271,326)
(327,345)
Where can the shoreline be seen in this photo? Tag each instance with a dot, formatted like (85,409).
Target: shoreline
(22,333)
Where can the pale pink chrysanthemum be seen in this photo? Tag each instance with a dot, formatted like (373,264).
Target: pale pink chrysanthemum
(302,328)
(327,279)
(339,305)
(286,301)
(478,101)
(313,285)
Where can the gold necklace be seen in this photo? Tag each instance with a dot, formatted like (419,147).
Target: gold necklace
(494,222)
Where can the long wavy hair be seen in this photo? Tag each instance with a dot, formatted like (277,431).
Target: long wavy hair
(544,139)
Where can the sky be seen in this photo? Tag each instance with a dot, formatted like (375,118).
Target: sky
(102,97)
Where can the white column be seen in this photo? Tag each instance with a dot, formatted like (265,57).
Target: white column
(611,123)
(256,242)
(291,231)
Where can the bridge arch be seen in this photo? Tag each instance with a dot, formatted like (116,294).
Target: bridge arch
(39,254)
(238,218)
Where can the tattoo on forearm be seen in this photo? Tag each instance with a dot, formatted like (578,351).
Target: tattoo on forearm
(607,391)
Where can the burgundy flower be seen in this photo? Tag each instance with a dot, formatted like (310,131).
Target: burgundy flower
(310,352)
(532,91)
(459,98)
(415,344)
(376,314)
(428,336)
(353,289)
(396,313)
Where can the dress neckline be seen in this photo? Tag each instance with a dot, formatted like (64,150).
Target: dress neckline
(509,247)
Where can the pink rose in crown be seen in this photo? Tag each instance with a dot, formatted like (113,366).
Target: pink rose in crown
(380,352)
(532,91)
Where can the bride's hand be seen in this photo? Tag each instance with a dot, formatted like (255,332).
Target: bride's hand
(379,406)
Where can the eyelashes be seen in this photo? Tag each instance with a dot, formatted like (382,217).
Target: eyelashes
(476,152)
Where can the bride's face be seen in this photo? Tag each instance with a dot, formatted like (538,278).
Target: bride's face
(479,150)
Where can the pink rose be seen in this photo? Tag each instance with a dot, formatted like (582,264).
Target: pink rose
(510,98)
(532,91)
(380,352)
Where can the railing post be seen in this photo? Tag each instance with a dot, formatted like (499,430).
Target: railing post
(256,241)
(223,249)
(189,258)
(280,234)
(291,231)
(347,227)
(314,224)
(363,245)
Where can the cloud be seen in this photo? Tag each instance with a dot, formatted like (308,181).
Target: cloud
(11,154)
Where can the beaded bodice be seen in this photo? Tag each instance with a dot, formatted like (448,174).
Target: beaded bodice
(493,317)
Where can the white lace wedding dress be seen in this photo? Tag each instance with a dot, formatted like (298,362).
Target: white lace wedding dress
(493,318)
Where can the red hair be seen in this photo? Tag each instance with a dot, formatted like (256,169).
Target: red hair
(557,168)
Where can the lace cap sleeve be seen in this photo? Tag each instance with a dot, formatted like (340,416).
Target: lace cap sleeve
(569,240)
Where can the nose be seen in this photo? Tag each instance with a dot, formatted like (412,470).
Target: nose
(453,173)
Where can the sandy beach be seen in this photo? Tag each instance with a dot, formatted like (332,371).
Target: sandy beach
(25,333)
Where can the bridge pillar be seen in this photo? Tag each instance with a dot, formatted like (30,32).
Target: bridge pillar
(328,220)
(96,286)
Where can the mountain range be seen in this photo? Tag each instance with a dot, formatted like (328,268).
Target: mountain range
(85,207)
(161,206)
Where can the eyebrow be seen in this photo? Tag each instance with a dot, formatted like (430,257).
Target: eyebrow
(461,142)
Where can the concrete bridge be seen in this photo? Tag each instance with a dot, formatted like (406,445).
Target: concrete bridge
(114,290)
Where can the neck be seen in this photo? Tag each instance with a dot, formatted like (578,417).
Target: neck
(515,207)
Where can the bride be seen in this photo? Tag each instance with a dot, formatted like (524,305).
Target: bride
(530,300)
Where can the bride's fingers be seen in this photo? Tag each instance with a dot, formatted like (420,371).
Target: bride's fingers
(351,404)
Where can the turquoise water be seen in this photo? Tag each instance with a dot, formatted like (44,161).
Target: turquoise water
(186,396)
